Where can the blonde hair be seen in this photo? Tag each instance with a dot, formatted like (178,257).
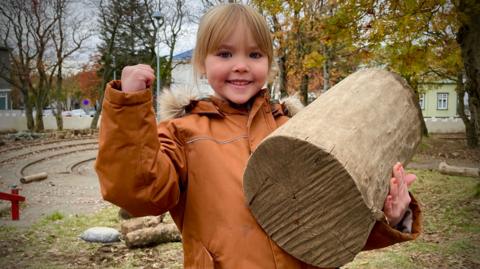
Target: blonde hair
(219,22)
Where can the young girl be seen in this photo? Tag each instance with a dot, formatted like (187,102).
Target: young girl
(192,166)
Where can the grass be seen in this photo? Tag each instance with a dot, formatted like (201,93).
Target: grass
(451,237)
(424,144)
(53,242)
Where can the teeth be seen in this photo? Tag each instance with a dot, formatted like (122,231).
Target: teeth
(240,83)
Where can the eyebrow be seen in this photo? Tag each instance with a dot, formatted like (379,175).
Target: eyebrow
(231,47)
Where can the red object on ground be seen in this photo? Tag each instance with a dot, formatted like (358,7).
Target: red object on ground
(15,199)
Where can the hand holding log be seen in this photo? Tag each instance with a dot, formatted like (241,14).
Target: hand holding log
(398,199)
(318,184)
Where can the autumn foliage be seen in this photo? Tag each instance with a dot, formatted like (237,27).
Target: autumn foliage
(88,82)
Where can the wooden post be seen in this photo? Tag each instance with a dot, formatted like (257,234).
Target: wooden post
(15,200)
(318,183)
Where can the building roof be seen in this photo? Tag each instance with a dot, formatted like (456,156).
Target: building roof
(184,56)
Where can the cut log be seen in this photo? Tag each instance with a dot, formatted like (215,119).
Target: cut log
(446,169)
(34,177)
(318,183)
(134,224)
(162,233)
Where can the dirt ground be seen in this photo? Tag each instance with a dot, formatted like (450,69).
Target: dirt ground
(72,186)
(450,148)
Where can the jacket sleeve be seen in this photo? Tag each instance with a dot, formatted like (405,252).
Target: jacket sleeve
(140,165)
(383,235)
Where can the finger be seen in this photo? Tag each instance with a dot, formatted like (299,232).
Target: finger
(409,179)
(396,167)
(387,206)
(393,188)
(144,66)
(398,170)
(399,173)
(144,74)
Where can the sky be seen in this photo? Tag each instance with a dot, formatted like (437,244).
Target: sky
(185,41)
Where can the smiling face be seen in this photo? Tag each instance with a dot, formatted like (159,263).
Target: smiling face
(238,69)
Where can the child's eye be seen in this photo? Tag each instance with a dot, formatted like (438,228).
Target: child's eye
(256,55)
(224,54)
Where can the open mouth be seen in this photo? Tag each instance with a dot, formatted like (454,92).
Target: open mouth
(239,82)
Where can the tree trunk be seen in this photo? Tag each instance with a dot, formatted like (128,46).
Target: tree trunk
(414,85)
(317,185)
(326,70)
(304,89)
(94,123)
(28,111)
(470,132)
(468,37)
(420,114)
(282,76)
(58,109)
(39,114)
(282,58)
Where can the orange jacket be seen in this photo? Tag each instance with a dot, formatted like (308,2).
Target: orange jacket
(193,167)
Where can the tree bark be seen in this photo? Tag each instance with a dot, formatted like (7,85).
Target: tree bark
(468,37)
(282,76)
(304,89)
(470,132)
(414,85)
(281,59)
(28,111)
(317,184)
(326,69)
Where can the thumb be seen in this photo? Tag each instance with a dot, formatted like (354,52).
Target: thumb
(409,179)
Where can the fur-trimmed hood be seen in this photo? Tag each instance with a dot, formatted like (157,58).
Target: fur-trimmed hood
(176,104)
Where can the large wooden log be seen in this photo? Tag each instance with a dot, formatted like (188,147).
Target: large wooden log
(134,224)
(318,183)
(447,169)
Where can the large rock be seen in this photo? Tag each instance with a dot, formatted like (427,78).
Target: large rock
(101,235)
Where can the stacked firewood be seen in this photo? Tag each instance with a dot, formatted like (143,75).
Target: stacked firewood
(148,231)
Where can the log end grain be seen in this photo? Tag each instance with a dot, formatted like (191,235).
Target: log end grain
(307,202)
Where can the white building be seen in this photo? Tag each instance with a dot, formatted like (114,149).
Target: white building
(5,87)
(183,76)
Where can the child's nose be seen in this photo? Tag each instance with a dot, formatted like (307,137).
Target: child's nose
(240,66)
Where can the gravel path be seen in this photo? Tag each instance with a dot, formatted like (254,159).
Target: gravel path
(71,187)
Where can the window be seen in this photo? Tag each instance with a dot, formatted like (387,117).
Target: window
(442,101)
(3,101)
(421,100)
